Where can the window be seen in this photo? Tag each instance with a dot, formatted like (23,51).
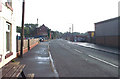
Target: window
(8,36)
(9,2)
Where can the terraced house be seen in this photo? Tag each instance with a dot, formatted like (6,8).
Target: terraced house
(7,31)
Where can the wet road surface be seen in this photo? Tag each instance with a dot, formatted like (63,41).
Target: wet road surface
(75,61)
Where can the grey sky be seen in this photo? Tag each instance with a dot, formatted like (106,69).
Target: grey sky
(61,14)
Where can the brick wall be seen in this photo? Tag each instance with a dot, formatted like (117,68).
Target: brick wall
(100,40)
(32,43)
(111,41)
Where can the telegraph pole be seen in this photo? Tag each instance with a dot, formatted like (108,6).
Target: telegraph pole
(72,33)
(70,29)
(22,35)
(37,22)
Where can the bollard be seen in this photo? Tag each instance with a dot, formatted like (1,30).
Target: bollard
(28,44)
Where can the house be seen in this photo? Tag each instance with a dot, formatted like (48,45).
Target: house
(106,32)
(7,31)
(41,31)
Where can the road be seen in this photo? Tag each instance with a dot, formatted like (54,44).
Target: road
(75,61)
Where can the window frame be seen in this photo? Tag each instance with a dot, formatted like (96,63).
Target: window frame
(9,4)
(8,30)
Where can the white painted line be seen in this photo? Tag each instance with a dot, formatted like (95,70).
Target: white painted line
(77,50)
(53,66)
(103,61)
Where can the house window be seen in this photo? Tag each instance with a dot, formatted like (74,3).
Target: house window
(9,2)
(8,36)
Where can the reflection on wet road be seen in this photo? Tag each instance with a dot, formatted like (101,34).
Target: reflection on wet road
(42,55)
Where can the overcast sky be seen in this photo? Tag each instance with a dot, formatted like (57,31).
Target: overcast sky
(61,14)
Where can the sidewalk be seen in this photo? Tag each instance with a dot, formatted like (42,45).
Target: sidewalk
(98,47)
(37,61)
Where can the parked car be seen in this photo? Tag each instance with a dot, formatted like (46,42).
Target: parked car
(41,39)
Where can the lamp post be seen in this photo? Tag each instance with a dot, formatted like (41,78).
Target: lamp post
(22,35)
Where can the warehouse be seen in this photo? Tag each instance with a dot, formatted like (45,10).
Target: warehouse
(106,32)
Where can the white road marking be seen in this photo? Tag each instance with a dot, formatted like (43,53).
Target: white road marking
(103,61)
(52,63)
(77,50)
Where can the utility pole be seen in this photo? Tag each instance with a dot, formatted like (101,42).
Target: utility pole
(69,34)
(70,29)
(37,22)
(72,33)
(22,35)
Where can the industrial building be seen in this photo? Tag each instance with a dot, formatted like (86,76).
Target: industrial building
(106,32)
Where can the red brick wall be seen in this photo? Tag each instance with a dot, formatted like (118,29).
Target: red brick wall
(33,43)
(42,31)
(100,40)
(111,41)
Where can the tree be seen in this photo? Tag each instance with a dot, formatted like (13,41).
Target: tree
(19,29)
(26,32)
(49,31)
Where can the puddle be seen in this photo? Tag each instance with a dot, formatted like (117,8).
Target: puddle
(41,50)
(42,58)
(43,62)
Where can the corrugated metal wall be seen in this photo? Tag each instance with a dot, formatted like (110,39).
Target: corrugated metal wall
(106,33)
(107,28)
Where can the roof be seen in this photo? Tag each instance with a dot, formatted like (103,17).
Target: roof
(107,20)
(90,31)
(42,26)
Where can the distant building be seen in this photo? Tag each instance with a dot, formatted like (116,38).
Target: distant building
(107,33)
(52,35)
(41,31)
(67,36)
(80,38)
(90,37)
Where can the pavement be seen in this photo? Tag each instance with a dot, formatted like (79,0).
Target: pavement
(97,47)
(73,60)
(38,61)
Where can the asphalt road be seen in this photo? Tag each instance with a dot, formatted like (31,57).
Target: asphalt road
(75,61)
